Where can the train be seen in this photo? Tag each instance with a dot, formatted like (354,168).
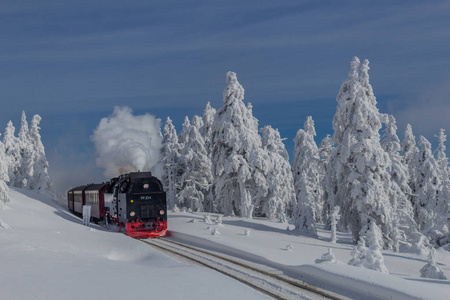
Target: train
(135,202)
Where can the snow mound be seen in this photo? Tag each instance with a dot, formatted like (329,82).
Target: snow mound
(3,225)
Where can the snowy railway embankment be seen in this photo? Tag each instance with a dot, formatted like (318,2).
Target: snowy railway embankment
(274,245)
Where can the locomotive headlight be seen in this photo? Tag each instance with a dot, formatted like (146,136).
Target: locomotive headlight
(132,213)
(162,212)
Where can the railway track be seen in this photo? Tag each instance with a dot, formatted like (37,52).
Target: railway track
(268,281)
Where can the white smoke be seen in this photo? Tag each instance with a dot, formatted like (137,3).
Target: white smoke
(127,143)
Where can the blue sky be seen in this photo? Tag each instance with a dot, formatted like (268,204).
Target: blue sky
(72,61)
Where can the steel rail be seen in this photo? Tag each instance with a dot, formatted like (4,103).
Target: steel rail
(289,281)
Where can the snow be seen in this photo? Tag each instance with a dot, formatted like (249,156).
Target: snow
(277,245)
(46,253)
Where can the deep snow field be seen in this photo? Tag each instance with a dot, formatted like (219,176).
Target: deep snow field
(46,253)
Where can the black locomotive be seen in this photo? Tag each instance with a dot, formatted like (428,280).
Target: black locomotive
(135,202)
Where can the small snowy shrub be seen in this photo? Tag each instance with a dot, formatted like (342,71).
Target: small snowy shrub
(365,257)
(175,208)
(206,218)
(289,247)
(215,232)
(327,257)
(193,221)
(431,269)
(247,232)
(219,219)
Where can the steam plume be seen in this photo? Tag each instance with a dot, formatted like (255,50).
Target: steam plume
(127,143)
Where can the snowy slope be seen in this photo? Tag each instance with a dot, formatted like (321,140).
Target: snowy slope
(271,243)
(46,253)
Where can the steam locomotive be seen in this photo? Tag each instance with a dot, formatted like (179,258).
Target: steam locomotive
(136,202)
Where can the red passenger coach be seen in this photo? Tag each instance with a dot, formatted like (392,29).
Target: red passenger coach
(94,196)
(78,199)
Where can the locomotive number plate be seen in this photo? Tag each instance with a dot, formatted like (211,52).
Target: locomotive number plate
(146,197)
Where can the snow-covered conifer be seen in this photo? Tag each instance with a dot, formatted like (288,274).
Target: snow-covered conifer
(197,122)
(370,256)
(183,136)
(40,179)
(25,172)
(325,151)
(4,195)
(12,151)
(406,234)
(238,165)
(431,269)
(304,212)
(409,152)
(306,169)
(334,218)
(206,130)
(170,155)
(443,205)
(197,177)
(358,177)
(427,186)
(280,183)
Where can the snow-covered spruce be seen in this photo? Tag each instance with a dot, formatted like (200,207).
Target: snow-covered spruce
(280,198)
(12,152)
(238,160)
(358,178)
(431,269)
(307,179)
(4,195)
(370,256)
(406,235)
(40,179)
(170,156)
(196,179)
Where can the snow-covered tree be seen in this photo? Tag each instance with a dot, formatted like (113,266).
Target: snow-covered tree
(280,183)
(197,122)
(40,179)
(25,172)
(443,205)
(197,178)
(206,130)
(4,195)
(370,256)
(406,234)
(183,136)
(170,155)
(334,218)
(238,165)
(431,269)
(359,181)
(307,160)
(12,151)
(325,151)
(409,152)
(304,212)
(307,178)
(427,185)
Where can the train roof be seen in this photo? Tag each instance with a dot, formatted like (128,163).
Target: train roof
(80,188)
(134,175)
(96,187)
